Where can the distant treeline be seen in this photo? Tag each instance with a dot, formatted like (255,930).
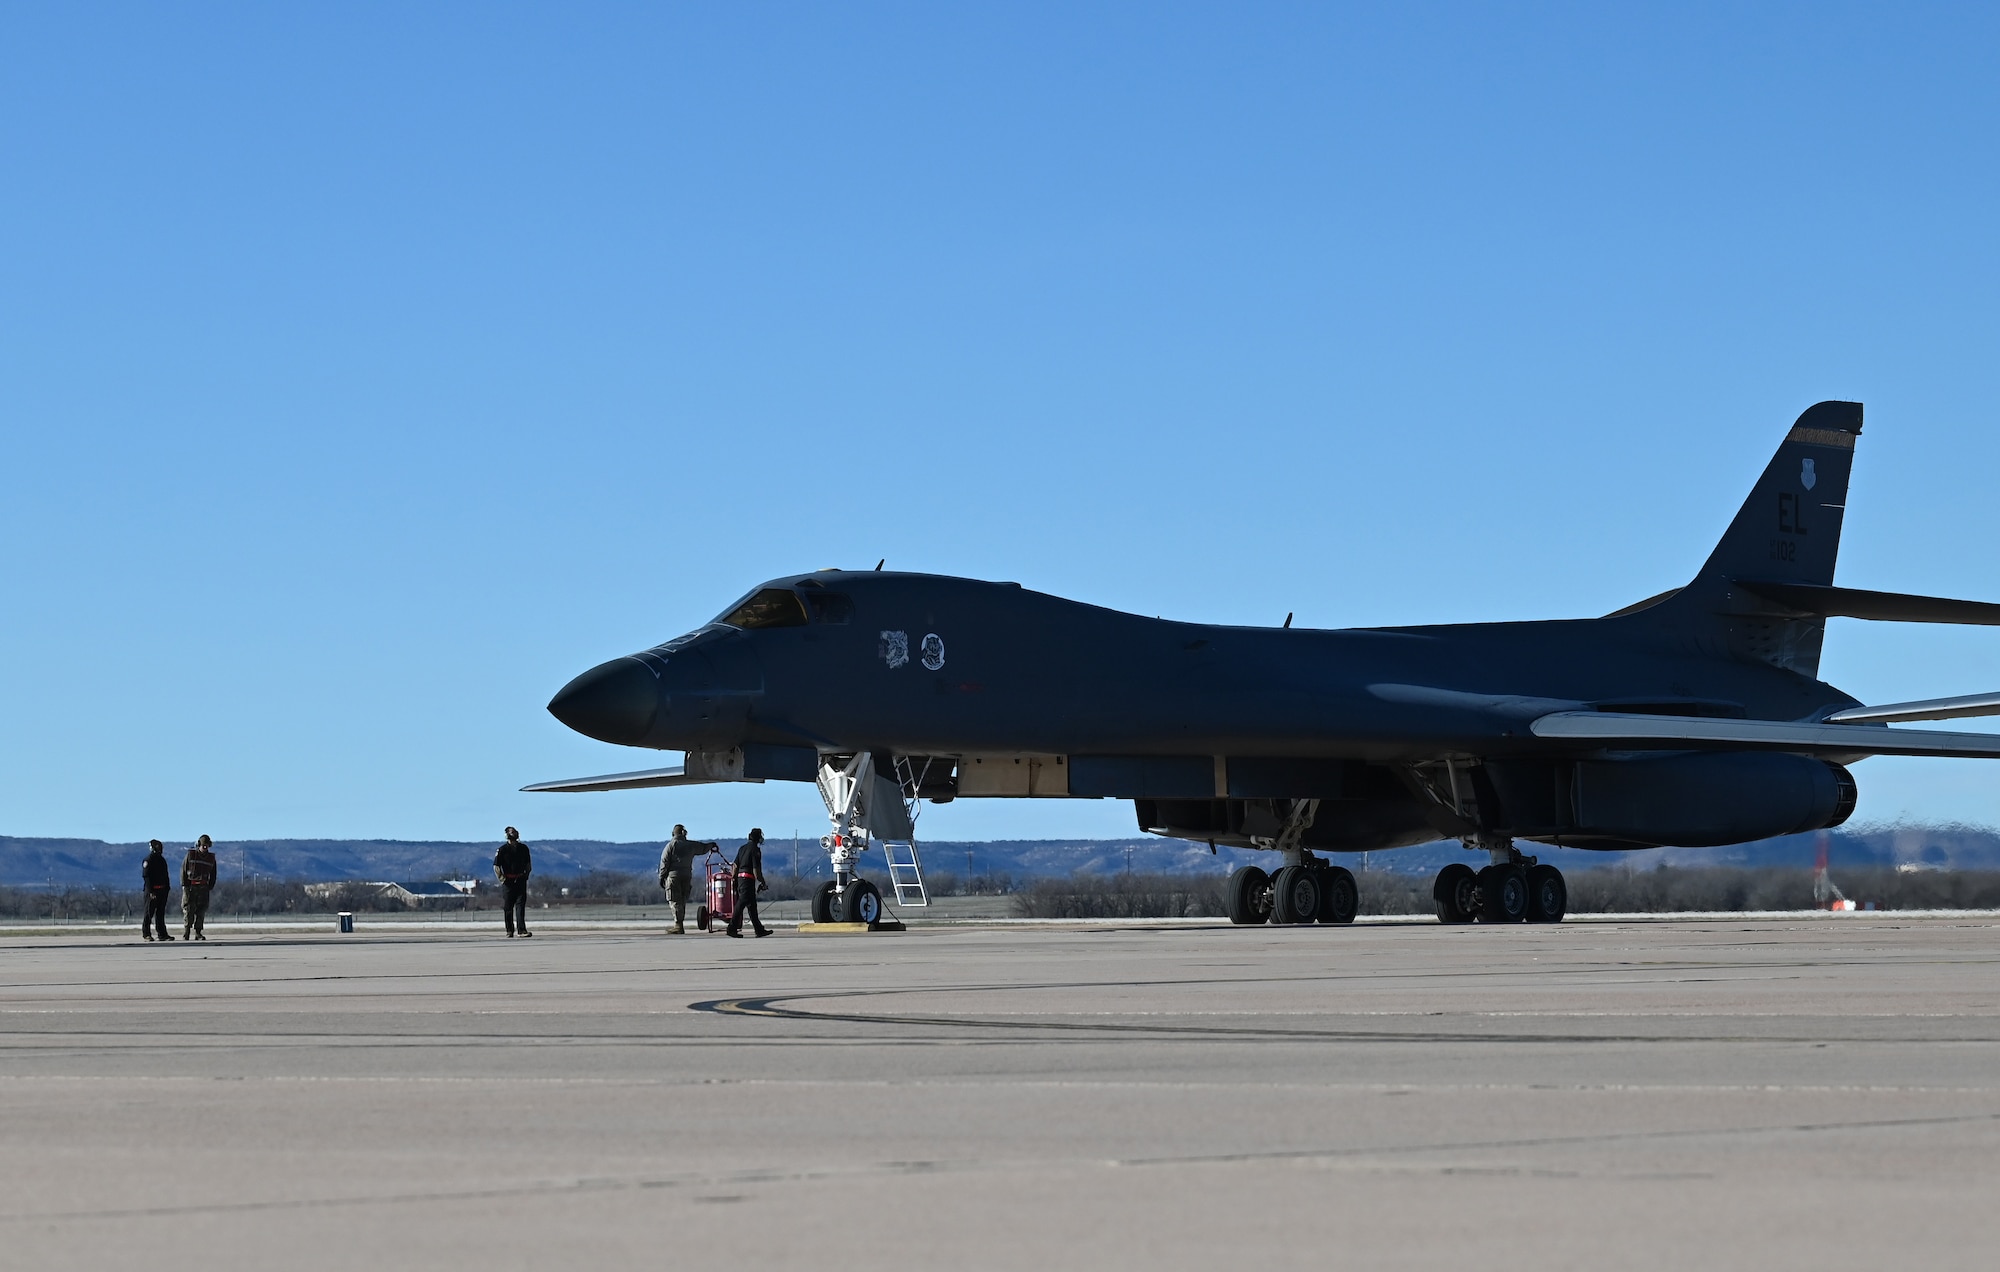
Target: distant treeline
(266,897)
(1669,889)
(55,864)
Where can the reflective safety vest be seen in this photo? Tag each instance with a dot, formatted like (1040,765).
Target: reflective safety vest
(198,871)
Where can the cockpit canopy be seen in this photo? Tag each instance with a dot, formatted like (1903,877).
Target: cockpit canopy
(769,607)
(782,607)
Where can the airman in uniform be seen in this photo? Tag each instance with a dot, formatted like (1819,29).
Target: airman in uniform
(511,866)
(749,882)
(197,882)
(159,886)
(677,872)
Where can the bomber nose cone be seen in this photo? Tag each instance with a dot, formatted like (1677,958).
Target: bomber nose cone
(615,702)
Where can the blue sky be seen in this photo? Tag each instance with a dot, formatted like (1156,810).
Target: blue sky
(368,371)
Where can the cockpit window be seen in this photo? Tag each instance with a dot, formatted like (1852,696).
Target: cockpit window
(772,607)
(829,607)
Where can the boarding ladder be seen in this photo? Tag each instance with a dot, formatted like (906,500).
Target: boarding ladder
(906,872)
(906,868)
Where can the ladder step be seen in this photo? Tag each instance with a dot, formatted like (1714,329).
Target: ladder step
(906,873)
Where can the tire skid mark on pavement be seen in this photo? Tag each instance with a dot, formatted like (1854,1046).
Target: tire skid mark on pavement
(1371,975)
(770,1008)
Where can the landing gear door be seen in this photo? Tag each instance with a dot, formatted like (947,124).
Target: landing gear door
(877,807)
(883,811)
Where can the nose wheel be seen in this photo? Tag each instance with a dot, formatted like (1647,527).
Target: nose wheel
(861,903)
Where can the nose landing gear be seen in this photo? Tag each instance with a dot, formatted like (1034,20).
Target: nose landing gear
(860,799)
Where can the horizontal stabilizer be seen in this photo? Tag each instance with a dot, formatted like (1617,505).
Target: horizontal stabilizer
(1820,601)
(1653,732)
(675,776)
(1975,704)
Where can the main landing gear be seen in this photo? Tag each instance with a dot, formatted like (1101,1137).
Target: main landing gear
(1310,892)
(1513,889)
(1305,889)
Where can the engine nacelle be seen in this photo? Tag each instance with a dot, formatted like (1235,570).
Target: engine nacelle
(1703,800)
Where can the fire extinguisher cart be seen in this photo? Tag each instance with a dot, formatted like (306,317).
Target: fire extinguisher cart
(721,903)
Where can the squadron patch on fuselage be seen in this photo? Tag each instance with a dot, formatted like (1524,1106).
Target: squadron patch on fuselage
(934,652)
(1807,477)
(895,648)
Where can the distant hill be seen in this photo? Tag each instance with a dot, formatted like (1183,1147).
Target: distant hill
(41,863)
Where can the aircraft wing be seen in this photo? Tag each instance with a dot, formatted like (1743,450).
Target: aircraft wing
(1657,732)
(1973,704)
(677,775)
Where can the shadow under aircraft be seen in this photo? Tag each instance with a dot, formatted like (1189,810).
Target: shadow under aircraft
(1696,717)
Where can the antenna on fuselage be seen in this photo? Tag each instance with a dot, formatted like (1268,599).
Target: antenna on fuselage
(879,564)
(1288,620)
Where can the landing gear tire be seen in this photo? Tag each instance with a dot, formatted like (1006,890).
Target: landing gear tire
(1248,896)
(1455,893)
(1295,895)
(701,918)
(822,903)
(862,903)
(1503,894)
(1339,896)
(1548,895)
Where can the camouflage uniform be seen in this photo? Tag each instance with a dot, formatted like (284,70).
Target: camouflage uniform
(677,872)
(197,882)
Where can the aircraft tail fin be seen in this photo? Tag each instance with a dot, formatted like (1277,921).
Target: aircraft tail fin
(1786,536)
(1788,530)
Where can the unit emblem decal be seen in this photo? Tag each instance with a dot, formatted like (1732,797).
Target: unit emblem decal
(1807,477)
(895,648)
(934,651)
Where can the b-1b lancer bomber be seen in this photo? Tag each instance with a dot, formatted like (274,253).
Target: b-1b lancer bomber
(1695,718)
